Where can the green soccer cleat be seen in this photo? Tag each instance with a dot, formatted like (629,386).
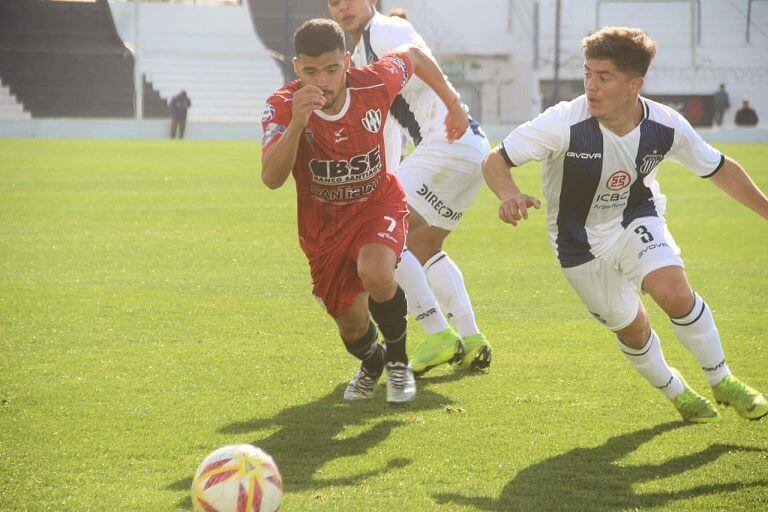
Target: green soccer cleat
(748,402)
(693,407)
(477,353)
(436,349)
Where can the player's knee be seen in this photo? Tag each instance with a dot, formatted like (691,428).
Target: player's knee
(635,335)
(380,285)
(676,301)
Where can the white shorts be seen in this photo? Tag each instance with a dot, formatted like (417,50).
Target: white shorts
(609,284)
(441,180)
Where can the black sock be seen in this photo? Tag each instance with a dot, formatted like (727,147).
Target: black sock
(368,351)
(390,317)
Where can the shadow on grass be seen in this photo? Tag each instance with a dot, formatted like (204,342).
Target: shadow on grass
(307,437)
(591,479)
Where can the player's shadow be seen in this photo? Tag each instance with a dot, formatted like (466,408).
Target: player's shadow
(306,437)
(591,479)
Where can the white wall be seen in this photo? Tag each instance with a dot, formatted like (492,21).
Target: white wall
(499,34)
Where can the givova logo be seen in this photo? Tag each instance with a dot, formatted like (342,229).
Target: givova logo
(584,156)
(357,168)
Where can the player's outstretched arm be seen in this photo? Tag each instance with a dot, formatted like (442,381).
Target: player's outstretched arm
(278,159)
(514,204)
(736,183)
(456,120)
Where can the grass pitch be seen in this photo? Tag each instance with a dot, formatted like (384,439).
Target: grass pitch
(155,305)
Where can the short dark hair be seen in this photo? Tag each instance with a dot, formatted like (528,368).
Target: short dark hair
(398,12)
(629,48)
(318,36)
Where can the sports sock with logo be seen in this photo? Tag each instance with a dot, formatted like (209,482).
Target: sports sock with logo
(697,331)
(649,362)
(446,281)
(368,351)
(422,303)
(390,317)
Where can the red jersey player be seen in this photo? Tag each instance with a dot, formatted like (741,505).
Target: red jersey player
(326,129)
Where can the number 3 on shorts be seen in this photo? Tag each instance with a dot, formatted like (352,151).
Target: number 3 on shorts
(392,223)
(645,236)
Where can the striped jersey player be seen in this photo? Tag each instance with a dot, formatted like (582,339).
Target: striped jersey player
(605,214)
(440,179)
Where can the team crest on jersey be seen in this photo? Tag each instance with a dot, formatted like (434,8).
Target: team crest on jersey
(650,162)
(309,135)
(372,120)
(268,114)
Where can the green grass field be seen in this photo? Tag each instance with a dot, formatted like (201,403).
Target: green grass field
(155,305)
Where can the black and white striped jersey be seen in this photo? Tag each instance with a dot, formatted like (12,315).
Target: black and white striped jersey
(595,182)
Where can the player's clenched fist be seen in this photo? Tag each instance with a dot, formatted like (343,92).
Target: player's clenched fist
(456,121)
(516,207)
(305,100)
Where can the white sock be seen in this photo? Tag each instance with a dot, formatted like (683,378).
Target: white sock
(698,333)
(422,304)
(446,281)
(649,362)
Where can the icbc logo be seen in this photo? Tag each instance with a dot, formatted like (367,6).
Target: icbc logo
(618,180)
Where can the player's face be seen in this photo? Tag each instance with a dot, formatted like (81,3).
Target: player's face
(327,72)
(610,92)
(352,15)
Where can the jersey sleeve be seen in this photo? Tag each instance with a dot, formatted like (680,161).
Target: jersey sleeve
(394,70)
(691,151)
(387,38)
(538,139)
(275,119)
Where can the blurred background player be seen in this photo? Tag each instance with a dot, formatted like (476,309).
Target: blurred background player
(605,214)
(326,128)
(441,179)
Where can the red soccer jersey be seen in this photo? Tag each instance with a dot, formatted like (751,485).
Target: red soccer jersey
(340,165)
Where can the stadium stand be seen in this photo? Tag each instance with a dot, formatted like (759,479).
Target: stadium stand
(211,51)
(10,108)
(64,59)
(271,25)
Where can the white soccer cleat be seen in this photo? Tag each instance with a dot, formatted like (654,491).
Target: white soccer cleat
(401,384)
(362,386)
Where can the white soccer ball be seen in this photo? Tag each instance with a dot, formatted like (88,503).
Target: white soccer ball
(237,478)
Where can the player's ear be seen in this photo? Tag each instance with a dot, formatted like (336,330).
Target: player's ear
(637,84)
(296,66)
(347,60)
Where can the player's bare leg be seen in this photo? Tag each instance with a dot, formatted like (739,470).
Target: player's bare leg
(447,283)
(695,327)
(642,348)
(388,307)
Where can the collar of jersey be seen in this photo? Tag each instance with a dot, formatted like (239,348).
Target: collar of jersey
(342,112)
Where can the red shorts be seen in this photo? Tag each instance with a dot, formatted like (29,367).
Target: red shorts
(335,282)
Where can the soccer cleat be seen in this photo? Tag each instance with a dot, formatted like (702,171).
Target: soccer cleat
(401,385)
(362,386)
(693,407)
(477,353)
(748,402)
(436,349)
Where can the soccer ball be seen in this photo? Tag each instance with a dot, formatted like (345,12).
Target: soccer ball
(237,478)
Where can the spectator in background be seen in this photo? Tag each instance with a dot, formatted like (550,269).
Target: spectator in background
(398,12)
(179,106)
(722,103)
(746,116)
